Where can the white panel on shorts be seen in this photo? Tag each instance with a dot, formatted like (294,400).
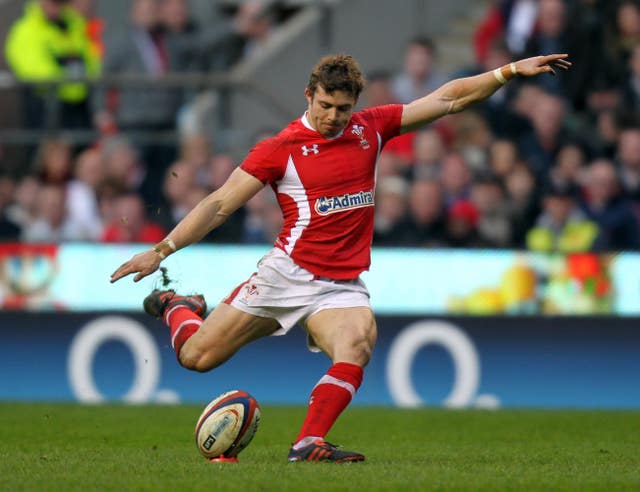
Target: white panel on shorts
(290,294)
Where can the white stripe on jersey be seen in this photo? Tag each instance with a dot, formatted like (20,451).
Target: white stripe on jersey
(375,172)
(291,185)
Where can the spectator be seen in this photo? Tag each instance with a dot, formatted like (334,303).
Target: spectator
(513,20)
(455,178)
(54,161)
(196,151)
(632,81)
(82,193)
(391,209)
(95,27)
(9,230)
(542,143)
(503,158)
(50,42)
(425,225)
(494,224)
(254,21)
(179,179)
(194,48)
(428,151)
(263,219)
(568,167)
(52,223)
(131,224)
(123,170)
(605,205)
(462,226)
(551,36)
(142,111)
(522,200)
(625,32)
(628,159)
(419,76)
(562,226)
(22,210)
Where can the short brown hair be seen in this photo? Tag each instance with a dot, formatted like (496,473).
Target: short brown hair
(339,72)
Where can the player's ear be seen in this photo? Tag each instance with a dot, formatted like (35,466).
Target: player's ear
(308,95)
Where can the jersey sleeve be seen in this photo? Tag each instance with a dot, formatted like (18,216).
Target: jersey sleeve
(265,161)
(385,119)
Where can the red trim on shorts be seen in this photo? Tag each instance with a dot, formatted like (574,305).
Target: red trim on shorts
(235,291)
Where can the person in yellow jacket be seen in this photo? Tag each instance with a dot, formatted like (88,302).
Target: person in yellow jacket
(561,227)
(50,42)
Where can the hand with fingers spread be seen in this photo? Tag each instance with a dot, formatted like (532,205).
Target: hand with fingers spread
(143,264)
(542,64)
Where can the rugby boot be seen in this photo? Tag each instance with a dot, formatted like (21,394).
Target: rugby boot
(320,450)
(156,303)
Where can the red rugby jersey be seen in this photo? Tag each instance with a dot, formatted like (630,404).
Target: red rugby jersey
(325,188)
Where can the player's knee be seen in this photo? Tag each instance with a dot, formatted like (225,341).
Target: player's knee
(199,361)
(361,343)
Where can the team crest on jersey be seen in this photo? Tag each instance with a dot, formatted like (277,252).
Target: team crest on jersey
(358,130)
(306,150)
(331,204)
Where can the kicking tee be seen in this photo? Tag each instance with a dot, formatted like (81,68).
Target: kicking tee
(325,188)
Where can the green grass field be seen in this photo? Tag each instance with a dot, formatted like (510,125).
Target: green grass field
(56,447)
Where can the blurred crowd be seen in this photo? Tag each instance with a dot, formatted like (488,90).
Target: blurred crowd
(549,164)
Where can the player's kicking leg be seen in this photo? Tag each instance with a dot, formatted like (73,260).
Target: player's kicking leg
(347,336)
(200,344)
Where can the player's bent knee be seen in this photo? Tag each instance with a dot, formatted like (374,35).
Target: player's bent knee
(200,361)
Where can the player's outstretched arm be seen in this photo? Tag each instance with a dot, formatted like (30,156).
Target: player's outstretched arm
(458,94)
(210,213)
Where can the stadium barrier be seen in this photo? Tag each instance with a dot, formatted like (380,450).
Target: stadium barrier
(486,362)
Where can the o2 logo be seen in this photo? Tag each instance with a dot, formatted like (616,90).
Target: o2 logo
(145,356)
(404,350)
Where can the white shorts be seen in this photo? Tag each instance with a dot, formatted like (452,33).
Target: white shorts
(284,291)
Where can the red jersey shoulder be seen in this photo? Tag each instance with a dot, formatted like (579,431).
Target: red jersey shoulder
(384,120)
(267,160)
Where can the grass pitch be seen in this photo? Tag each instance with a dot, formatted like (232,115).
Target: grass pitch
(55,447)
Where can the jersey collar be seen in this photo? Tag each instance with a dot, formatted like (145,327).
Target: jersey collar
(305,122)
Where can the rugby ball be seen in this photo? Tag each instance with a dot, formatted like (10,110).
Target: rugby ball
(227,424)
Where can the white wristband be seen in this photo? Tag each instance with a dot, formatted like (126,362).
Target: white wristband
(172,245)
(514,71)
(499,77)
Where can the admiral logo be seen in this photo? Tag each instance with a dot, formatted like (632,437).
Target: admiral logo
(332,204)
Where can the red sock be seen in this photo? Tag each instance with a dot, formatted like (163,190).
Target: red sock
(183,323)
(330,397)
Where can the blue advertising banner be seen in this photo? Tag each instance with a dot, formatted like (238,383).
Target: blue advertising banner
(456,362)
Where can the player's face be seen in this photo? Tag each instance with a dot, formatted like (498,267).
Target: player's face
(329,113)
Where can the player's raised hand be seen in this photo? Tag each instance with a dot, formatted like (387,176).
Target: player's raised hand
(143,264)
(542,64)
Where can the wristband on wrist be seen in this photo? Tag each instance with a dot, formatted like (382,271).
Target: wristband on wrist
(164,248)
(505,73)
(497,73)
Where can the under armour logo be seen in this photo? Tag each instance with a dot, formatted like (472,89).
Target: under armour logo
(306,150)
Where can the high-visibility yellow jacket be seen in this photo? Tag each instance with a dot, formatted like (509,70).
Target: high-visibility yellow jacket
(38,49)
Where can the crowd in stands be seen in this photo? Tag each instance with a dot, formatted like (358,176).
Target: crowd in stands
(550,164)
